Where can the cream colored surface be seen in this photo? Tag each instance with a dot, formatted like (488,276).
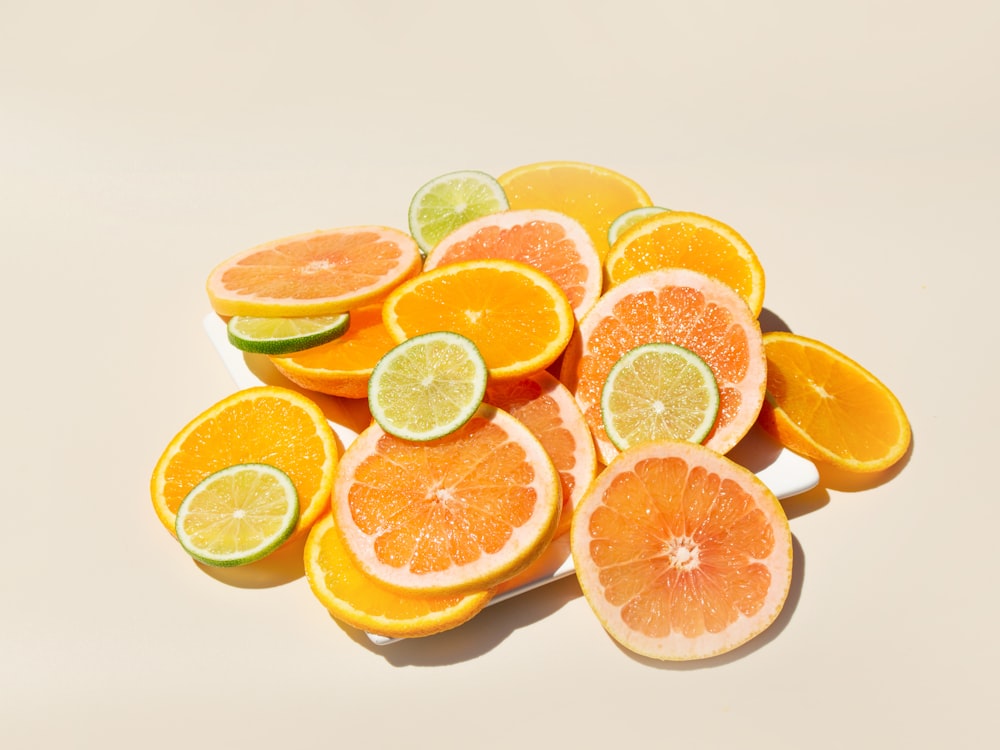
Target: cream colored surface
(855,146)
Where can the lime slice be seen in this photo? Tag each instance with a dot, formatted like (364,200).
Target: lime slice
(284,335)
(629,219)
(449,201)
(659,391)
(428,386)
(237,515)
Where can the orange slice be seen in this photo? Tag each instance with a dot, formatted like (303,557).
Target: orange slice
(318,273)
(674,306)
(447,516)
(547,408)
(362,602)
(547,240)
(680,552)
(681,239)
(267,424)
(824,405)
(343,366)
(595,196)
(516,315)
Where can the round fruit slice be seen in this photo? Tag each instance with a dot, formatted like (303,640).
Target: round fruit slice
(681,239)
(547,240)
(659,392)
(343,366)
(267,424)
(823,405)
(517,317)
(547,408)
(629,219)
(447,202)
(237,515)
(428,386)
(680,307)
(319,273)
(447,516)
(595,196)
(364,603)
(284,335)
(680,552)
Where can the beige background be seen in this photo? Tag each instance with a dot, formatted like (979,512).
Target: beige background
(853,144)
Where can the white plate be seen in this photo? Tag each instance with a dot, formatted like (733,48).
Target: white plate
(786,473)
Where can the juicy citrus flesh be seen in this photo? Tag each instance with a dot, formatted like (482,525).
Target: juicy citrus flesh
(454,515)
(593,195)
(447,202)
(318,273)
(547,240)
(547,408)
(343,366)
(284,335)
(266,424)
(680,307)
(682,239)
(822,404)
(363,603)
(518,318)
(659,391)
(237,515)
(680,552)
(428,386)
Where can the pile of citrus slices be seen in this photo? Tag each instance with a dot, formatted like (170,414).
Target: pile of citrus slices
(546,355)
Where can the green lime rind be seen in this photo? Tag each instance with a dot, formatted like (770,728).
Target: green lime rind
(260,335)
(629,219)
(237,515)
(443,204)
(659,391)
(428,386)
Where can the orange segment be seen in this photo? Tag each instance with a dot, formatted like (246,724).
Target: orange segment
(681,553)
(516,315)
(824,405)
(547,408)
(364,603)
(679,239)
(318,273)
(547,240)
(458,514)
(341,367)
(679,307)
(268,424)
(595,196)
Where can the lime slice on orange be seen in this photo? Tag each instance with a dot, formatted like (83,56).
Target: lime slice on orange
(449,201)
(238,515)
(631,218)
(284,335)
(659,391)
(428,386)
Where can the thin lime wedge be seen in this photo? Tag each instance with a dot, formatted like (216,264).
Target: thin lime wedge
(284,335)
(631,218)
(447,202)
(237,515)
(428,386)
(659,391)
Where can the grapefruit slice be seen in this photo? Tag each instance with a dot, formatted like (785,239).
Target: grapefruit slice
(318,273)
(547,240)
(447,516)
(680,552)
(674,306)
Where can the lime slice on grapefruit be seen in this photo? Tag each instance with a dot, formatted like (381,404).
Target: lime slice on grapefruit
(428,386)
